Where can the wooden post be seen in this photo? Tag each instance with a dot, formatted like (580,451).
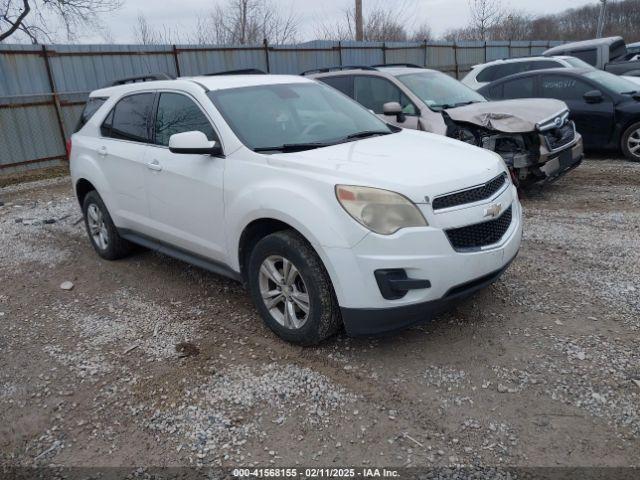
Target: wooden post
(266,54)
(54,93)
(359,22)
(176,60)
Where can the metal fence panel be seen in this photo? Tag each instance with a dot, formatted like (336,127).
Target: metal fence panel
(397,52)
(287,60)
(43,89)
(198,60)
(29,132)
(22,70)
(362,53)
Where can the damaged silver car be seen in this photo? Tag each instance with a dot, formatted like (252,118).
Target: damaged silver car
(535,137)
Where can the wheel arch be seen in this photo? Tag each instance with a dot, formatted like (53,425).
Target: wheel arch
(82,188)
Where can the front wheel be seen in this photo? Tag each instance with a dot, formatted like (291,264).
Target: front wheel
(631,142)
(292,290)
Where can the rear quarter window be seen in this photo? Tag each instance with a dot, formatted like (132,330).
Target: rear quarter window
(590,55)
(91,107)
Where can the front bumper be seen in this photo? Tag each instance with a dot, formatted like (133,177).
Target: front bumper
(424,254)
(563,162)
(363,321)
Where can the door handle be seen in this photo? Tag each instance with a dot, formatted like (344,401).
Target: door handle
(102,151)
(154,165)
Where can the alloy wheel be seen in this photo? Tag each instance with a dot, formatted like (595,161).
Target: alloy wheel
(633,143)
(97,227)
(284,292)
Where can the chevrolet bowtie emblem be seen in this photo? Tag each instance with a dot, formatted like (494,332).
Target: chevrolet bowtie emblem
(493,210)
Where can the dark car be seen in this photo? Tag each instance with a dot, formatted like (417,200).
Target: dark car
(604,107)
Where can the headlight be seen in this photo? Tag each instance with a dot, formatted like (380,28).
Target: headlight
(467,136)
(381,211)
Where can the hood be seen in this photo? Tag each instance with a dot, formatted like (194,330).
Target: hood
(415,164)
(509,116)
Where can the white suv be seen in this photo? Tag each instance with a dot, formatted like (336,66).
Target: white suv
(484,74)
(329,215)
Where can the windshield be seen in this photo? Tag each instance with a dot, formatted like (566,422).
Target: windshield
(613,82)
(577,63)
(439,91)
(304,115)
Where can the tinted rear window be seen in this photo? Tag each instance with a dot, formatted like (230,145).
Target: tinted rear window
(617,49)
(344,84)
(129,119)
(500,71)
(590,56)
(91,107)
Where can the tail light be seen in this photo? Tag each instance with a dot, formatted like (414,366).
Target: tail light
(68,148)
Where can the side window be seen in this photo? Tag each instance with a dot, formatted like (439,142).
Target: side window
(129,119)
(91,107)
(343,84)
(487,75)
(495,93)
(519,88)
(542,64)
(373,92)
(177,113)
(590,56)
(563,88)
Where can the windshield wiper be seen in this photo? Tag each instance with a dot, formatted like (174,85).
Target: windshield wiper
(462,104)
(366,133)
(292,147)
(633,92)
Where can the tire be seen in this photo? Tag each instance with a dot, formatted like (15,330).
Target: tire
(307,277)
(102,232)
(630,141)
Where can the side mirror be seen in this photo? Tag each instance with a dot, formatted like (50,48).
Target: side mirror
(193,143)
(593,96)
(394,108)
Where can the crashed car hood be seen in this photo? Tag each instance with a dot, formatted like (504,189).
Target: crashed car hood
(509,116)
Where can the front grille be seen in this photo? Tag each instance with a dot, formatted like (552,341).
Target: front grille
(480,234)
(559,137)
(474,194)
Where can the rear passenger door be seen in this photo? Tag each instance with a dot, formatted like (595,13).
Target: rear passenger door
(185,192)
(373,92)
(122,154)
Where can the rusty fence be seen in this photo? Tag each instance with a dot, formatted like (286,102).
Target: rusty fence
(43,88)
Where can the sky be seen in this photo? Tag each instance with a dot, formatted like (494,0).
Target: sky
(441,15)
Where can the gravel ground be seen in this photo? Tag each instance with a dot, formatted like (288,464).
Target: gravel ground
(150,362)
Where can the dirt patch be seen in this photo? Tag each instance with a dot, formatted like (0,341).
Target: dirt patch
(541,369)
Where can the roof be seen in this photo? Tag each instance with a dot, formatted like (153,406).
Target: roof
(583,44)
(530,73)
(378,70)
(633,45)
(216,82)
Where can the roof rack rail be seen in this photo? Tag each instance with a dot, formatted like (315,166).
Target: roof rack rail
(242,71)
(337,68)
(149,77)
(409,65)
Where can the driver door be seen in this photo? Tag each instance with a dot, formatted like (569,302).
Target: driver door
(373,92)
(185,192)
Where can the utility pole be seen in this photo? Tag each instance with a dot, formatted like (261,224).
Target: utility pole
(603,9)
(359,22)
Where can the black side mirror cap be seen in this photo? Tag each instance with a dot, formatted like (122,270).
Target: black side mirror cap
(593,96)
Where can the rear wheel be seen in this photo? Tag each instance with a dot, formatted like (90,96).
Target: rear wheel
(102,232)
(292,290)
(631,142)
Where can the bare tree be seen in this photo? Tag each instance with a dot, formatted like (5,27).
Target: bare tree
(513,26)
(422,33)
(38,20)
(145,34)
(382,22)
(247,22)
(485,14)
